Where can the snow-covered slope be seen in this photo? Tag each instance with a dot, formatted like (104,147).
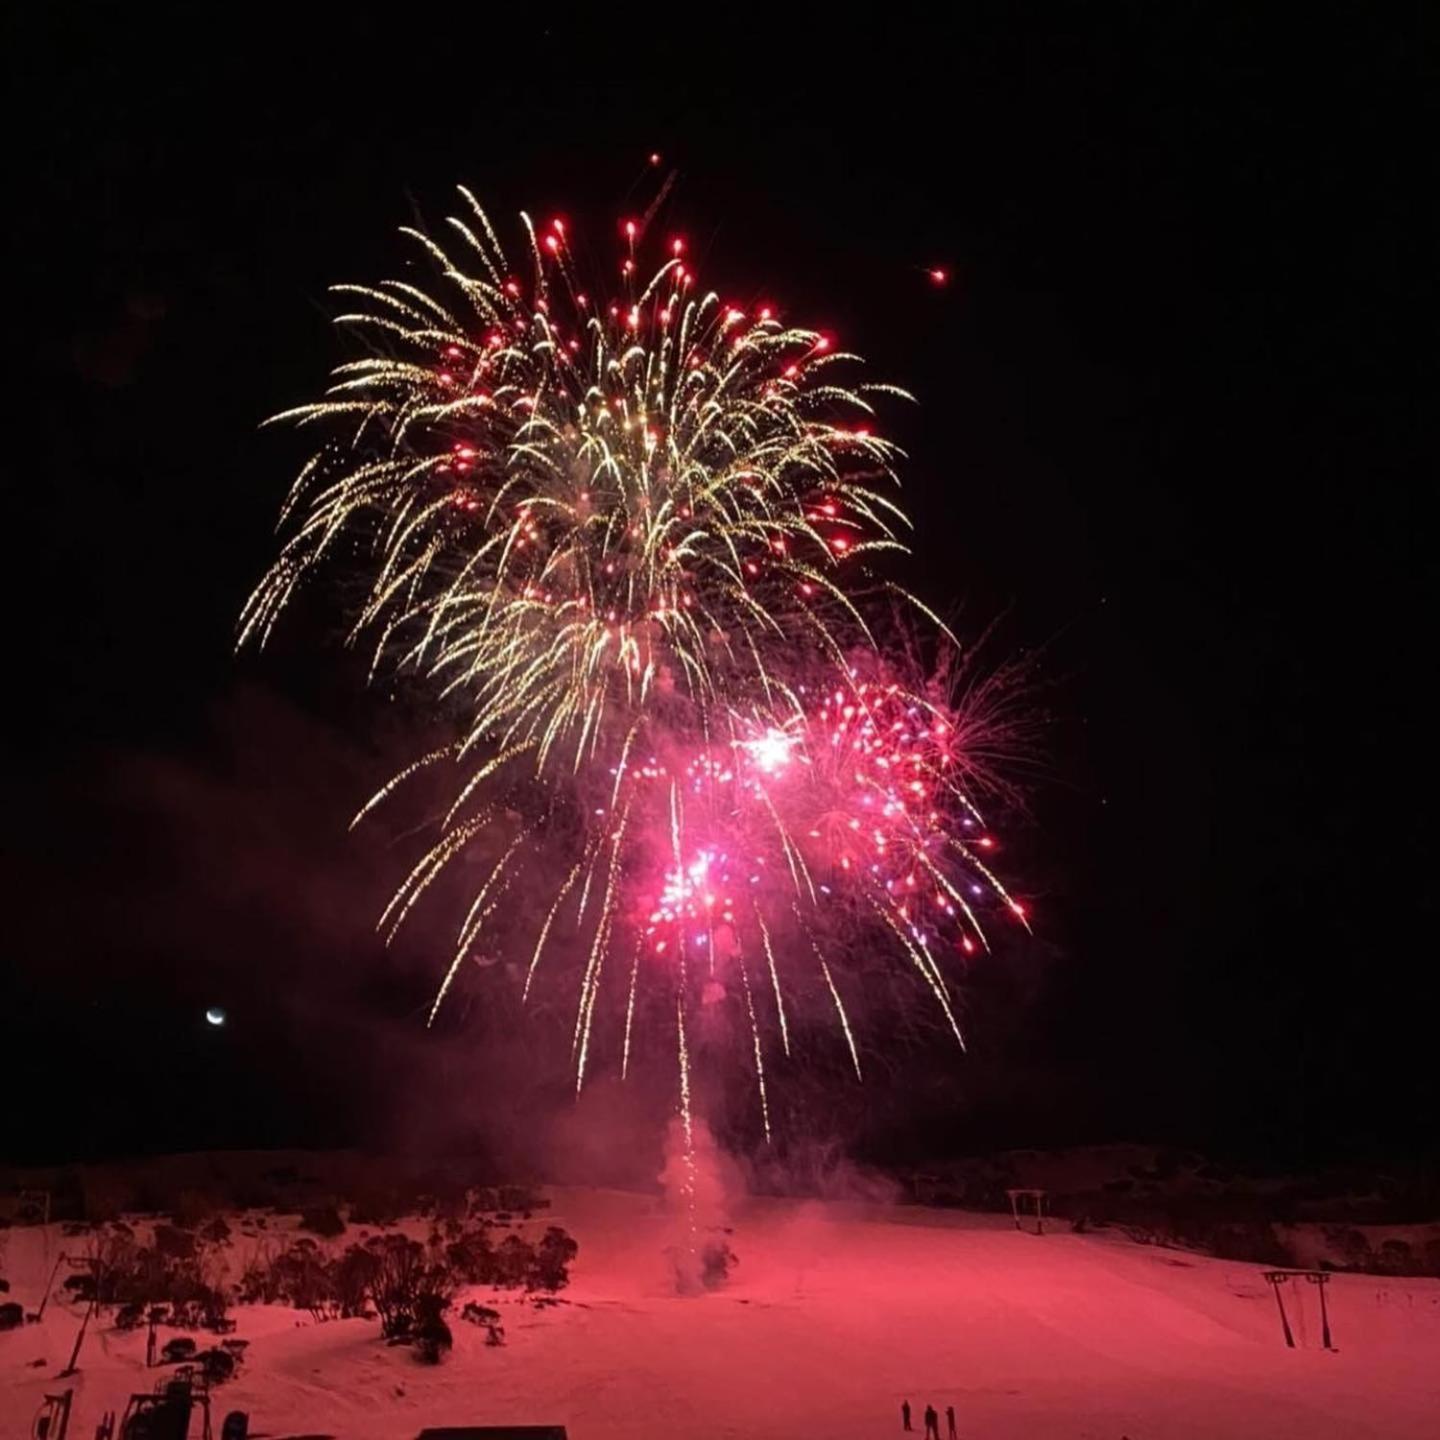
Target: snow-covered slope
(834,1316)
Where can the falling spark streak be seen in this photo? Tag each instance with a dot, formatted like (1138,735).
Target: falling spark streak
(545,930)
(420,878)
(775,981)
(589,986)
(391,785)
(759,1050)
(630,1010)
(470,930)
(925,964)
(840,1011)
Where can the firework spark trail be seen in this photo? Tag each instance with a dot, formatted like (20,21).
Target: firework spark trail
(590,984)
(471,926)
(689,1184)
(545,928)
(775,981)
(840,1011)
(625,542)
(759,1050)
(630,1009)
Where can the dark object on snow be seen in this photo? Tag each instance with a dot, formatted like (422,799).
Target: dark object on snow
(717,1260)
(217,1365)
(483,1315)
(80,1338)
(1037,1202)
(162,1416)
(12,1315)
(53,1419)
(180,1349)
(432,1334)
(1321,1280)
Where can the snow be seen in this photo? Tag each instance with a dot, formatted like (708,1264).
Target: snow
(835,1314)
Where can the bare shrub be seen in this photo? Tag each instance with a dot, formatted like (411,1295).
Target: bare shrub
(403,1276)
(352,1278)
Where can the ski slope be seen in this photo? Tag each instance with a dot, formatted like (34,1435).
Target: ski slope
(835,1314)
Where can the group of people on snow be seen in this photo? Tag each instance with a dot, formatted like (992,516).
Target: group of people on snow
(932,1421)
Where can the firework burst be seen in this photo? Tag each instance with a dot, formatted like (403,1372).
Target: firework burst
(569,505)
(628,543)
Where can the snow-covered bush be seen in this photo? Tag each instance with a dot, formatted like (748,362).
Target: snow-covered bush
(514,1261)
(301,1275)
(405,1282)
(173,1272)
(472,1257)
(550,1266)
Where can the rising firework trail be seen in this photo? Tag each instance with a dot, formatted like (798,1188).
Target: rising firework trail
(626,534)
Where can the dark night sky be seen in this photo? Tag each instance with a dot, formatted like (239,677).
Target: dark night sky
(1166,425)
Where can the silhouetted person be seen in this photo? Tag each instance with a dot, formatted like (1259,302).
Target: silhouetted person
(950,1420)
(932,1423)
(905,1415)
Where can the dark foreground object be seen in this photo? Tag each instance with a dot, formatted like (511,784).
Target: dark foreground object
(495,1432)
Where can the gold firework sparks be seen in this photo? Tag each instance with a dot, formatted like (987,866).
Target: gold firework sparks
(630,538)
